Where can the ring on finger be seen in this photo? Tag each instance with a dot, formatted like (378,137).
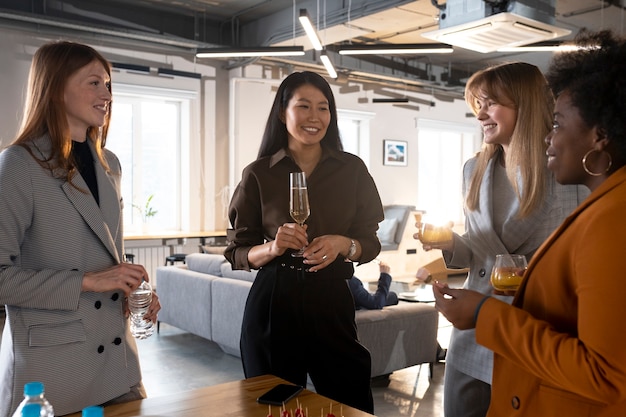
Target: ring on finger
(324,257)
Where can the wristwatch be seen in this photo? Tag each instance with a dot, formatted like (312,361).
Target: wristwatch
(352,250)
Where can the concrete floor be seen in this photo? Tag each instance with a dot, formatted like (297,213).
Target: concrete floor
(174,361)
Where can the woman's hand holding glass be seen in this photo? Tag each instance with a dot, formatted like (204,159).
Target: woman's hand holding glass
(289,236)
(433,236)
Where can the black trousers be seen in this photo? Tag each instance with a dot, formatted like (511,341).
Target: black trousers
(297,323)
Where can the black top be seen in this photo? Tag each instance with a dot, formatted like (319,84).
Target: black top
(84,162)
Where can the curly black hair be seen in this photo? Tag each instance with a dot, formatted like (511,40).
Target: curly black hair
(595,78)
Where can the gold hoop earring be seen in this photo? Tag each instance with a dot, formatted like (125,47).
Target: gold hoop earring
(596,174)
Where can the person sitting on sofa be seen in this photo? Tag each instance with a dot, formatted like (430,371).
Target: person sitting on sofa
(381,298)
(363,299)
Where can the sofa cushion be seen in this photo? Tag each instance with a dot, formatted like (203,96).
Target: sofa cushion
(206,263)
(227,271)
(402,335)
(399,213)
(387,230)
(186,299)
(229,299)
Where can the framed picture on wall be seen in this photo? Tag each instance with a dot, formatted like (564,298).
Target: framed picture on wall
(395,152)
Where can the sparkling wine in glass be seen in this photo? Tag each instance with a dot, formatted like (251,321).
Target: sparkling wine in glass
(299,201)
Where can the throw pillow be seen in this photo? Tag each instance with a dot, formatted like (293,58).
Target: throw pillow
(207,263)
(387,230)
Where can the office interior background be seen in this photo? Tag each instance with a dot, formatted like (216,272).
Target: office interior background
(184,126)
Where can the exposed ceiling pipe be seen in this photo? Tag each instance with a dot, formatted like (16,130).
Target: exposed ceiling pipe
(117,33)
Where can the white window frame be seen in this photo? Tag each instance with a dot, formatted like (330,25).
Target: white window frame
(447,201)
(184,99)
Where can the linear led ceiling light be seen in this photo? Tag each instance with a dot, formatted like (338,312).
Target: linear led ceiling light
(250,52)
(306,23)
(542,47)
(330,69)
(396,49)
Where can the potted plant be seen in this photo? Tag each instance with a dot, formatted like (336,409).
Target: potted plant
(146,211)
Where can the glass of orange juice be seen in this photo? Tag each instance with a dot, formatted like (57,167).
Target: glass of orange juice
(432,233)
(508,272)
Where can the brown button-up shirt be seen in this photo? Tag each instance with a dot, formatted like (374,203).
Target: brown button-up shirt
(343,198)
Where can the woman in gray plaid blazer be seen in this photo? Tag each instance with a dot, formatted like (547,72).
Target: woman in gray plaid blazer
(62,278)
(512,205)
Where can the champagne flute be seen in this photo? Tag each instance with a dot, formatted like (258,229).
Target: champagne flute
(508,272)
(299,201)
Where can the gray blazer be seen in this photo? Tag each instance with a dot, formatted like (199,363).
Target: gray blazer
(77,343)
(480,244)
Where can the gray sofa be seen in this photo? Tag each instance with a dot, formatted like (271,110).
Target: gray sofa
(206,297)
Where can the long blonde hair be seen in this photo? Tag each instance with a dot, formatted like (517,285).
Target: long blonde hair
(523,87)
(45,112)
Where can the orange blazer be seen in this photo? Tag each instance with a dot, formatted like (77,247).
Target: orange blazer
(560,349)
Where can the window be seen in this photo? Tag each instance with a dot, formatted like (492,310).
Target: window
(149,137)
(443,148)
(354,129)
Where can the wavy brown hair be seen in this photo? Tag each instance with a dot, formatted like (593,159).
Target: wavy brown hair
(523,87)
(45,112)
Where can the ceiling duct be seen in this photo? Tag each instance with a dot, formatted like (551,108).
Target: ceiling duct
(486,26)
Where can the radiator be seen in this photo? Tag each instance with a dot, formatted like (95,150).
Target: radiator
(152,257)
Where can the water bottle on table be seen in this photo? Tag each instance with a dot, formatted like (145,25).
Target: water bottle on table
(31,410)
(138,303)
(34,394)
(93,411)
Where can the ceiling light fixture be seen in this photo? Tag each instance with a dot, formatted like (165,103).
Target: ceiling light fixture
(542,47)
(250,52)
(396,49)
(306,23)
(330,69)
(391,100)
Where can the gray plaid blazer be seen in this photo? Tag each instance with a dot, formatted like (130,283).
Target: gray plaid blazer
(480,244)
(76,343)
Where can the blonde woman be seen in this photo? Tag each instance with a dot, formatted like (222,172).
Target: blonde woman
(512,204)
(559,348)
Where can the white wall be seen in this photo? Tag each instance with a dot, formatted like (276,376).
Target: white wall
(231,112)
(252,101)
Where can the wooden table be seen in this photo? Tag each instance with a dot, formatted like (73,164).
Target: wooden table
(231,399)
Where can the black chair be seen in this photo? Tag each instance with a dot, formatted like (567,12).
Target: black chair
(176,257)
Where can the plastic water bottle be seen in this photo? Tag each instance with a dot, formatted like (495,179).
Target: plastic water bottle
(34,394)
(31,410)
(139,302)
(93,411)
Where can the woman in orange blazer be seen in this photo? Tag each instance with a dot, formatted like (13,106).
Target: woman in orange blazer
(559,350)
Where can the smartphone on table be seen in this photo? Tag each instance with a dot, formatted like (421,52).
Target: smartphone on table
(280,394)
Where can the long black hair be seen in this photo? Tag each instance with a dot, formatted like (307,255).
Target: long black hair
(275,136)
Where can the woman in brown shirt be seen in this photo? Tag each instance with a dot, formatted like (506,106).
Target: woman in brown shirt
(299,316)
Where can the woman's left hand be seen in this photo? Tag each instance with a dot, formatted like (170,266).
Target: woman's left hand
(152,312)
(154,308)
(457,305)
(323,251)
